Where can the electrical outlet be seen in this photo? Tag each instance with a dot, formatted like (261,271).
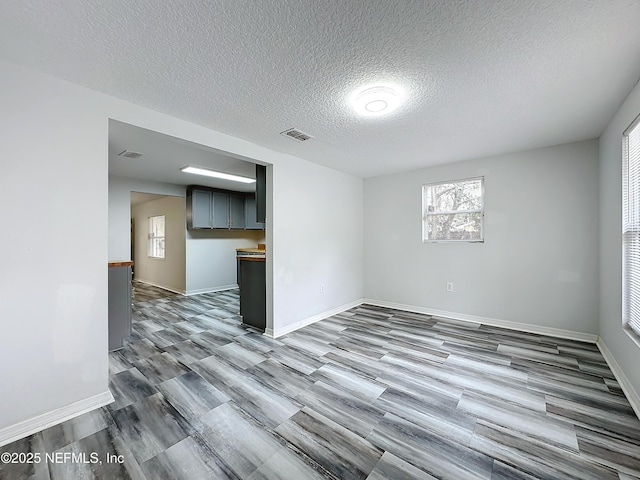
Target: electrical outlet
(449,286)
(322,288)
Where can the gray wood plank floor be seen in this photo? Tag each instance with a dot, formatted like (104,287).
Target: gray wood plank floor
(371,393)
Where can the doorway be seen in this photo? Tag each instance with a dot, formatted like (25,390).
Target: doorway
(158,248)
(145,162)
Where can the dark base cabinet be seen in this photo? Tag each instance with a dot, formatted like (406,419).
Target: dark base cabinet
(119,305)
(253,293)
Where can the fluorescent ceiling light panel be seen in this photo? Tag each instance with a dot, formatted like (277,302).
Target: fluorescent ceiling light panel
(213,173)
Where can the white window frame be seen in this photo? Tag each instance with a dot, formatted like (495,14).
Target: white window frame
(155,240)
(426,214)
(631,230)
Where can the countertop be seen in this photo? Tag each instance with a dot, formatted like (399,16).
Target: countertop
(259,249)
(251,254)
(123,263)
(251,250)
(251,258)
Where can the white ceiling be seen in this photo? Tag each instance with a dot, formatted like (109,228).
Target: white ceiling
(164,156)
(482,77)
(138,197)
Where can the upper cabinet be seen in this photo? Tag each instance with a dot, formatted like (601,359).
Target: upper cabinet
(218,209)
(199,209)
(251,214)
(236,211)
(261,194)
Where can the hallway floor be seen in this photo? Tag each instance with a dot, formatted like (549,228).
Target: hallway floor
(371,393)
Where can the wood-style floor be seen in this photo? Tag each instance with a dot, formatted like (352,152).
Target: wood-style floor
(371,393)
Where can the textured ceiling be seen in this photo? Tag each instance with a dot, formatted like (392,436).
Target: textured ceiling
(481,77)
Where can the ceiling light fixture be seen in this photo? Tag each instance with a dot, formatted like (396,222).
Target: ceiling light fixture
(374,101)
(213,173)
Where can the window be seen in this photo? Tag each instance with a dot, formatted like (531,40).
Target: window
(453,211)
(156,236)
(631,226)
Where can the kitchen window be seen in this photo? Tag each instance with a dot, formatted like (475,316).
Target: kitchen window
(631,227)
(453,211)
(156,236)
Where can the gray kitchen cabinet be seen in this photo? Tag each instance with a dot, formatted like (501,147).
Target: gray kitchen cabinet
(199,209)
(119,305)
(236,212)
(261,193)
(210,208)
(251,214)
(220,209)
(253,293)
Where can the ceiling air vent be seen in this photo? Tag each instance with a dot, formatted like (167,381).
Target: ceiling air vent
(296,134)
(129,154)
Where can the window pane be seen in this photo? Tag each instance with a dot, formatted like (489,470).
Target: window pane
(452,196)
(157,226)
(631,228)
(453,211)
(156,236)
(455,226)
(157,247)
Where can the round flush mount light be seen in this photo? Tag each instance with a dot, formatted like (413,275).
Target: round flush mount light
(374,101)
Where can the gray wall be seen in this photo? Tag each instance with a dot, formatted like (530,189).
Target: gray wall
(317,240)
(211,257)
(626,353)
(539,262)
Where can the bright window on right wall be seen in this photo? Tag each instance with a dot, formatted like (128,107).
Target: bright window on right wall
(453,211)
(631,226)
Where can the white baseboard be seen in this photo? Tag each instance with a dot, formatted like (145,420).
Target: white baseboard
(190,292)
(164,287)
(522,327)
(313,319)
(40,422)
(212,289)
(625,384)
(269,332)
